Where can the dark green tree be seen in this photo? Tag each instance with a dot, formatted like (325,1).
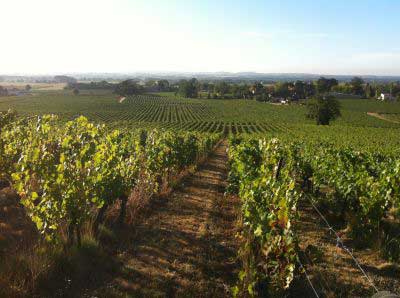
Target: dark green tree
(282,90)
(210,87)
(163,85)
(221,88)
(325,85)
(128,87)
(299,90)
(240,91)
(257,88)
(151,83)
(357,84)
(189,89)
(323,109)
(369,93)
(309,89)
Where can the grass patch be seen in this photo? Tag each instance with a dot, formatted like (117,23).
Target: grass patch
(76,272)
(48,271)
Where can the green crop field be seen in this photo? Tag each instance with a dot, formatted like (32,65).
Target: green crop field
(356,157)
(164,110)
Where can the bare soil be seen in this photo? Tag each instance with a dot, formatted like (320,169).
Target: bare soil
(382,117)
(186,246)
(332,271)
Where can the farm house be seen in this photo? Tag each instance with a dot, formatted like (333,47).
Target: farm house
(386,97)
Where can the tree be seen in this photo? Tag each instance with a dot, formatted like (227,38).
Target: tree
(3,91)
(257,88)
(151,83)
(369,91)
(261,97)
(210,87)
(357,86)
(309,89)
(127,88)
(221,88)
(65,79)
(28,87)
(299,90)
(282,90)
(163,85)
(240,91)
(189,89)
(323,109)
(396,89)
(343,88)
(75,91)
(325,85)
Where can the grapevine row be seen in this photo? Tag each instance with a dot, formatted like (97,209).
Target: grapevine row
(262,174)
(70,173)
(362,188)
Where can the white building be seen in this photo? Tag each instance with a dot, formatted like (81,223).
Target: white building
(386,96)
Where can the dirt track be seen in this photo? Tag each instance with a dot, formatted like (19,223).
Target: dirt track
(380,116)
(186,248)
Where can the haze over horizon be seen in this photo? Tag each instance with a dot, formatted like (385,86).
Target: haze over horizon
(127,36)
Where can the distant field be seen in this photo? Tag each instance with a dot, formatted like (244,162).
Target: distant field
(229,116)
(350,167)
(35,86)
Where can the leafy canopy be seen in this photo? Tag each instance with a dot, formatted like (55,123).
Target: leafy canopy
(323,109)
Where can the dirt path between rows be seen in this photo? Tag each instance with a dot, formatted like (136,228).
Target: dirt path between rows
(380,116)
(186,247)
(332,271)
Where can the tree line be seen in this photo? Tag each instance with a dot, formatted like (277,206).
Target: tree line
(288,91)
(9,92)
(194,88)
(283,90)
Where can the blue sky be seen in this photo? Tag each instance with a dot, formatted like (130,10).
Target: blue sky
(326,37)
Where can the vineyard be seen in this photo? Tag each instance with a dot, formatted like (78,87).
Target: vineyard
(148,111)
(215,116)
(92,165)
(65,172)
(273,179)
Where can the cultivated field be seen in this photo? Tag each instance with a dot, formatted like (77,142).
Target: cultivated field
(35,86)
(219,116)
(173,197)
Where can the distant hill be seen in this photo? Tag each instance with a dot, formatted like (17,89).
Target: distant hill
(175,76)
(234,77)
(64,79)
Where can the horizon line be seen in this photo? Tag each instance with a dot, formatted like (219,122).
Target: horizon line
(167,72)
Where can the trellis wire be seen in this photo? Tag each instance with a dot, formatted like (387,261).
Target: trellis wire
(340,244)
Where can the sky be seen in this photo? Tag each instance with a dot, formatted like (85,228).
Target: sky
(353,37)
